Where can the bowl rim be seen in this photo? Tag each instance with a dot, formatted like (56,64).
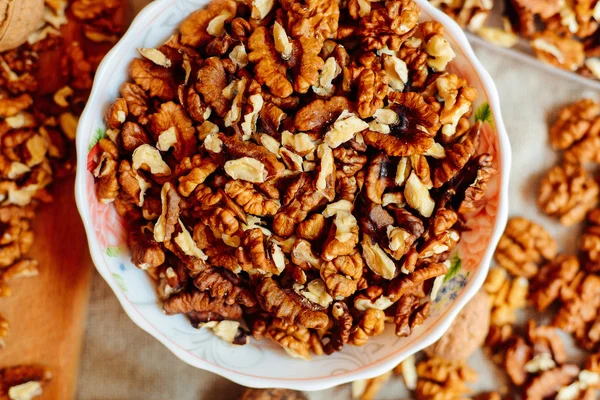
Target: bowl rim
(377,368)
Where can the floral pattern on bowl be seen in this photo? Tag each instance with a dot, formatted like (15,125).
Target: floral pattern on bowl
(264,364)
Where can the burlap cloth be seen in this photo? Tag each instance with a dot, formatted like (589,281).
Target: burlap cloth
(121,362)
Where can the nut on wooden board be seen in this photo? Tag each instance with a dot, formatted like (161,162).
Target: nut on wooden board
(467,333)
(18,19)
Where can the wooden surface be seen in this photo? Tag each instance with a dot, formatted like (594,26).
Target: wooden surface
(47,313)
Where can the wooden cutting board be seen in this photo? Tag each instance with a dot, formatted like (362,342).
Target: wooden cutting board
(47,313)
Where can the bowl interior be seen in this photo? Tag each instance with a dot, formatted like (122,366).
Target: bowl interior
(264,364)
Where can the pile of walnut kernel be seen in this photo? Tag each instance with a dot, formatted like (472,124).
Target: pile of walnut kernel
(302,166)
(565,34)
(563,290)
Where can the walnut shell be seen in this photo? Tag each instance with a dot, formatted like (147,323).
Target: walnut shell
(467,333)
(18,21)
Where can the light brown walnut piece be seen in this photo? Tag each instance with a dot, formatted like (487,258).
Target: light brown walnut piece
(379,177)
(288,307)
(552,279)
(310,64)
(518,354)
(107,185)
(472,16)
(193,103)
(561,52)
(549,382)
(312,18)
(458,97)
(300,200)
(222,220)
(145,252)
(535,360)
(507,296)
(237,148)
(443,379)
(372,85)
(117,114)
(546,339)
(24,268)
(407,283)
(347,188)
(171,204)
(91,9)
(349,161)
(270,118)
(311,228)
(342,238)
(404,233)
(523,247)
(272,394)
(578,314)
(23,381)
(415,59)
(589,242)
(76,68)
(457,156)
(171,279)
(588,148)
(172,127)
(543,8)
(133,135)
(154,79)
(568,192)
(368,389)
(261,252)
(388,25)
(136,100)
(467,332)
(201,169)
(474,194)
(216,250)
(194,29)
(341,275)
(9,107)
(251,200)
(195,301)
(406,137)
(372,323)
(319,113)
(212,79)
(572,123)
(294,339)
(269,68)
(411,311)
(223,284)
(342,320)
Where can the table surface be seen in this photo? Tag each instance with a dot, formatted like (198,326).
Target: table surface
(120,361)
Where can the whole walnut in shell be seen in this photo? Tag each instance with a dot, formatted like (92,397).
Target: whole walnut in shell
(18,20)
(467,333)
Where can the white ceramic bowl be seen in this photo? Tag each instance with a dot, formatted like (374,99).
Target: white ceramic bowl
(263,364)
